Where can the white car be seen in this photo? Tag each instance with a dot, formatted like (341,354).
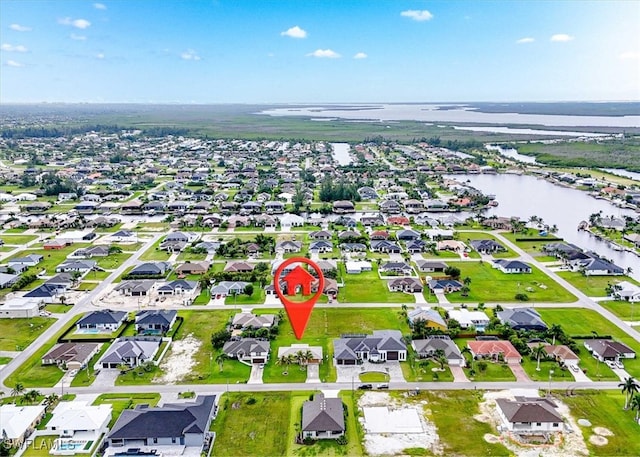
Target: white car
(610,363)
(619,364)
(574,368)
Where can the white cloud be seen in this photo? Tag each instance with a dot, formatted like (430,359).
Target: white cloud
(417,15)
(629,55)
(360,55)
(190,54)
(20,28)
(11,48)
(100,56)
(100,6)
(77,23)
(295,32)
(13,63)
(324,54)
(526,40)
(73,36)
(561,37)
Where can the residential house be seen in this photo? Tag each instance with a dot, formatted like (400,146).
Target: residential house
(193,268)
(559,352)
(320,235)
(431,266)
(30,260)
(248,350)
(444,286)
(227,288)
(8,279)
(19,307)
(71,356)
(522,319)
(511,266)
(87,253)
(593,265)
(431,346)
(609,350)
(379,235)
(173,424)
(323,418)
(124,236)
(321,246)
(390,207)
(488,246)
(477,320)
(151,269)
(416,246)
(451,245)
(315,352)
(78,424)
(357,266)
(178,287)
(430,317)
(248,320)
(624,290)
(18,422)
(529,415)
(383,345)
(155,322)
(102,321)
(405,284)
(239,267)
(77,266)
(291,220)
(343,206)
(395,268)
(633,238)
(46,293)
(136,287)
(407,235)
(385,246)
(494,350)
(130,351)
(54,245)
(210,247)
(353,247)
(288,246)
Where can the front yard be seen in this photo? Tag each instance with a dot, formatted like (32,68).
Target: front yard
(367,287)
(489,284)
(120,402)
(17,334)
(593,286)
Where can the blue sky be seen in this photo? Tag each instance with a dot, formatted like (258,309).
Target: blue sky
(228,51)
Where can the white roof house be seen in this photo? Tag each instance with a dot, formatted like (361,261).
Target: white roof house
(625,290)
(19,307)
(79,420)
(470,319)
(357,266)
(15,420)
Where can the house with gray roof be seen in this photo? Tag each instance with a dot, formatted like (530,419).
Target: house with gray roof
(529,415)
(135,287)
(151,269)
(247,350)
(79,266)
(431,266)
(323,418)
(155,321)
(522,319)
(173,424)
(511,266)
(487,246)
(178,287)
(248,320)
(104,320)
(383,345)
(130,351)
(429,348)
(226,288)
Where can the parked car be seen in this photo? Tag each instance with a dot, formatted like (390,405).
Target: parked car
(619,364)
(382,386)
(365,386)
(574,368)
(610,363)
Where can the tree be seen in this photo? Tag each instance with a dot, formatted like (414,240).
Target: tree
(17,389)
(634,404)
(538,352)
(220,358)
(219,338)
(31,396)
(248,290)
(454,272)
(50,401)
(115,250)
(464,291)
(466,281)
(629,387)
(555,331)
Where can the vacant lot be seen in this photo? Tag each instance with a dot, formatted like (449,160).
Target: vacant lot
(623,309)
(604,409)
(593,286)
(120,402)
(490,284)
(17,334)
(18,240)
(367,287)
(52,258)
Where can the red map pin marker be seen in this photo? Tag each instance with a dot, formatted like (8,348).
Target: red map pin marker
(298,312)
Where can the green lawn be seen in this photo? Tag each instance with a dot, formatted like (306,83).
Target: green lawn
(241,428)
(367,287)
(17,334)
(593,286)
(87,286)
(5,360)
(490,284)
(495,371)
(88,375)
(60,309)
(40,446)
(17,239)
(604,409)
(427,370)
(155,253)
(32,373)
(51,258)
(623,309)
(576,321)
(112,261)
(120,402)
(460,434)
(326,324)
(194,256)
(468,236)
(257,297)
(545,367)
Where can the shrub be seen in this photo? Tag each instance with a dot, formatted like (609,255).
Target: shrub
(482,366)
(251,401)
(522,297)
(342,440)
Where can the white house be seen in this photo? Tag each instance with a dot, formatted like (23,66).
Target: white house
(357,266)
(470,319)
(18,422)
(625,290)
(78,425)
(19,308)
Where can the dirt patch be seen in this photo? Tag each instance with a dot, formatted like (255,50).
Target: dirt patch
(179,362)
(493,439)
(564,444)
(598,440)
(602,431)
(391,426)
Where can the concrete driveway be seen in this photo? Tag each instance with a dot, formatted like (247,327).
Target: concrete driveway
(519,373)
(349,373)
(256,374)
(313,373)
(458,374)
(579,375)
(106,378)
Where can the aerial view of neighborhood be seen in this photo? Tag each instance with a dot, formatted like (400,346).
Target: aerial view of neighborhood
(331,279)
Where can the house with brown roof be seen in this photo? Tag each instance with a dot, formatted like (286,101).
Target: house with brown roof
(193,268)
(239,267)
(604,350)
(71,356)
(529,415)
(559,353)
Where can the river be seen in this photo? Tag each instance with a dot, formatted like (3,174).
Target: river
(341,153)
(512,154)
(525,196)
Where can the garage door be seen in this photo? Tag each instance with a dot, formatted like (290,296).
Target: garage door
(392,355)
(258,361)
(346,362)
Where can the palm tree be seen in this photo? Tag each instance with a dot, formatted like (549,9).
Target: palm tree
(634,404)
(220,358)
(466,280)
(555,331)
(630,387)
(17,389)
(31,396)
(50,400)
(538,351)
